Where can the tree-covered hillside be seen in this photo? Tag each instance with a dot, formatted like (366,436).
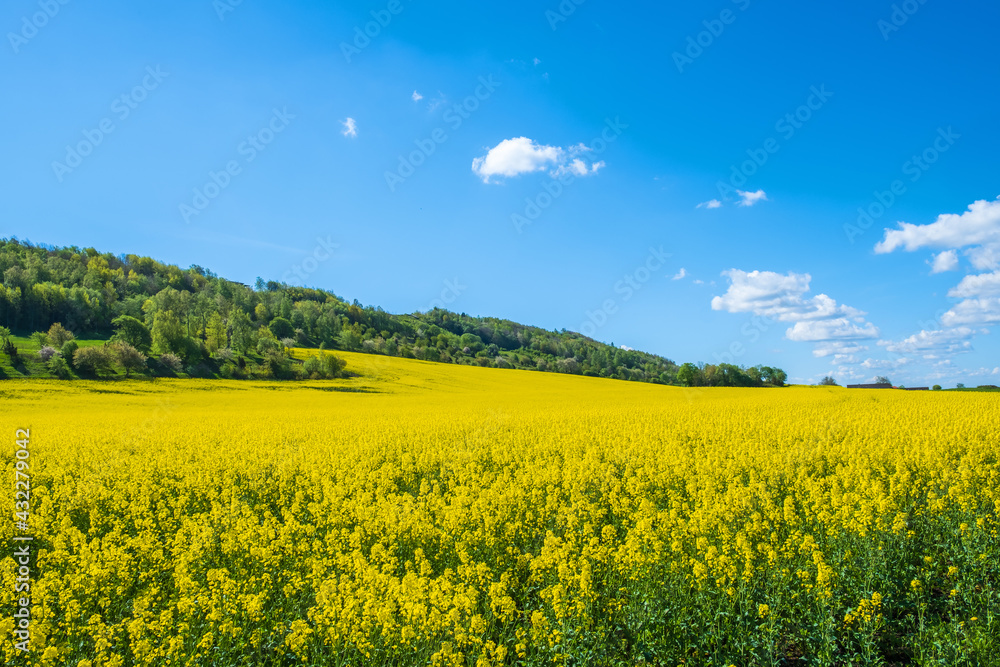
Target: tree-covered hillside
(211,325)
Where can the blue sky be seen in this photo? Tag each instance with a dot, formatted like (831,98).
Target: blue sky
(576,165)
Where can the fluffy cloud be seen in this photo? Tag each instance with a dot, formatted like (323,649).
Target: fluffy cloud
(978,226)
(839,328)
(521,155)
(980,294)
(933,343)
(944,261)
(783,297)
(416,96)
(680,274)
(973,311)
(983,284)
(778,296)
(711,203)
(750,198)
(350,128)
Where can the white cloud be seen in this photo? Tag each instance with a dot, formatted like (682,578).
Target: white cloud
(838,349)
(973,311)
(945,261)
(711,203)
(980,225)
(836,329)
(680,274)
(750,198)
(521,155)
(983,284)
(350,128)
(936,342)
(981,300)
(417,96)
(627,348)
(537,62)
(779,296)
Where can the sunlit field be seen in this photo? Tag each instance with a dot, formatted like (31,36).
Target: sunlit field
(450,515)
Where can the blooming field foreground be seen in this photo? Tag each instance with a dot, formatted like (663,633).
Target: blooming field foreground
(453,515)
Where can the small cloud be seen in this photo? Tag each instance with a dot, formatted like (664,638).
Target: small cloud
(627,348)
(417,96)
(537,62)
(945,261)
(699,282)
(680,274)
(750,198)
(350,128)
(521,155)
(711,203)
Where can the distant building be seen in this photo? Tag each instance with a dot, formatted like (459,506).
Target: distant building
(916,388)
(879,385)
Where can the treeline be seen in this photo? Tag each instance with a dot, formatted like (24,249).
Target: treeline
(207,322)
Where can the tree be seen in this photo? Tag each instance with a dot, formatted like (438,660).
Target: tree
(243,336)
(92,360)
(59,335)
(215,333)
(129,358)
(960,385)
(4,335)
(689,375)
(69,349)
(281,328)
(133,332)
(881,379)
(828,382)
(167,332)
(936,387)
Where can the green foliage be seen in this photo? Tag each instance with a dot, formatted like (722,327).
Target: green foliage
(58,367)
(936,387)
(93,360)
(133,332)
(193,314)
(129,358)
(59,335)
(69,348)
(828,382)
(281,328)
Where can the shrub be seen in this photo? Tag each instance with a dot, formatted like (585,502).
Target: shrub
(128,357)
(171,362)
(59,335)
(93,360)
(47,353)
(69,348)
(936,387)
(59,367)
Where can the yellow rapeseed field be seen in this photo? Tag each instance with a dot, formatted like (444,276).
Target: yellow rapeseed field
(450,515)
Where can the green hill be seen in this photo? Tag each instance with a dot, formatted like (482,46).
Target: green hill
(209,326)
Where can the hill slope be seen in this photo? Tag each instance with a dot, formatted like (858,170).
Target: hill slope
(212,324)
